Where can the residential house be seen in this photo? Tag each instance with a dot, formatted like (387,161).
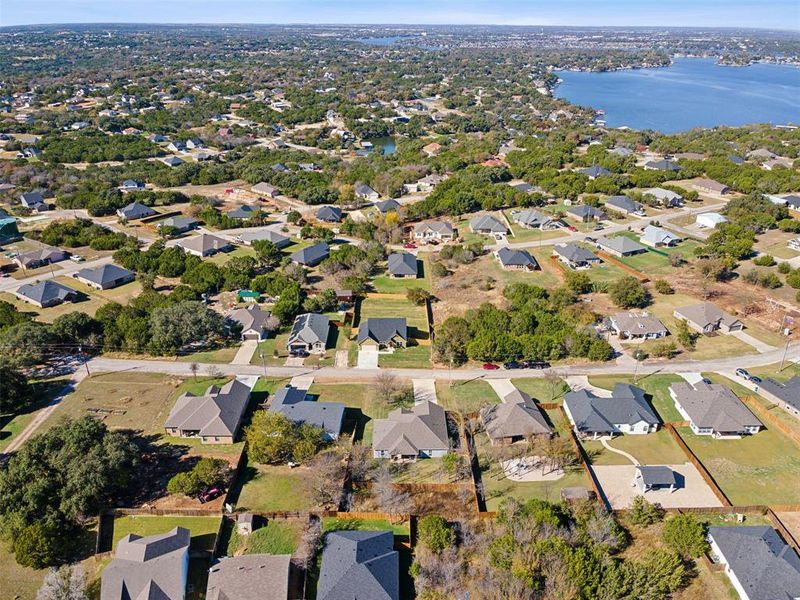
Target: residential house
(780,162)
(34,201)
(195,144)
(487,224)
(515,419)
(135,211)
(40,258)
(383,332)
(624,205)
(651,478)
(359,564)
(662,165)
(8,228)
(215,417)
(402,265)
(710,220)
(329,214)
(595,171)
(152,567)
(312,255)
(432,149)
(171,161)
(761,153)
(710,186)
(426,184)
(47,293)
(575,257)
(533,219)
(664,197)
(586,213)
(786,394)
(365,192)
(518,260)
(706,318)
(387,206)
(295,404)
(204,244)
(656,237)
(637,326)
(412,433)
(251,320)
(620,245)
(758,562)
(130,185)
(177,146)
(178,224)
(713,409)
(243,212)
(689,156)
(626,411)
(309,334)
(265,189)
(441,231)
(248,237)
(250,577)
(105,277)
(621,151)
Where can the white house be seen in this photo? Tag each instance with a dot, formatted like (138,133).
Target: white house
(710,220)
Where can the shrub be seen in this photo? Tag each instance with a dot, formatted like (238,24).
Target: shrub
(685,535)
(629,292)
(435,533)
(765,260)
(417,295)
(207,472)
(784,268)
(644,513)
(439,270)
(663,287)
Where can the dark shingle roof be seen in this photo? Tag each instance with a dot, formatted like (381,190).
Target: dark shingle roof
(658,475)
(135,210)
(309,328)
(382,329)
(104,274)
(329,214)
(293,402)
(789,391)
(516,258)
(312,255)
(387,205)
(627,405)
(623,203)
(359,564)
(46,291)
(402,263)
(217,413)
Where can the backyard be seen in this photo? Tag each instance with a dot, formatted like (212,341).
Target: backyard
(657,448)
(386,284)
(268,488)
(204,529)
(277,536)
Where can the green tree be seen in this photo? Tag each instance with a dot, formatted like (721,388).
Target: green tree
(435,533)
(183,323)
(628,292)
(686,535)
(15,392)
(643,512)
(267,253)
(39,545)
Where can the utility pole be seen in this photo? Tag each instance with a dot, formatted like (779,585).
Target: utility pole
(85,360)
(786,333)
(263,364)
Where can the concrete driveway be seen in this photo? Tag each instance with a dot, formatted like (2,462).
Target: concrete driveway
(424,390)
(616,481)
(367,358)
(760,346)
(502,387)
(245,352)
(692,378)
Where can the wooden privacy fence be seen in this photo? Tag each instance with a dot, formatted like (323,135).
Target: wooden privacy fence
(698,465)
(765,414)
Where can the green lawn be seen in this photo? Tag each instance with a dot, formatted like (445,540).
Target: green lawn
(523,234)
(385,284)
(466,396)
(219,355)
(655,385)
(760,469)
(273,349)
(376,306)
(278,536)
(428,470)
(267,488)
(17,582)
(543,390)
(204,529)
(346,524)
(220,258)
(652,449)
(359,400)
(412,357)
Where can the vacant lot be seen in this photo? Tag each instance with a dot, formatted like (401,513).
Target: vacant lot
(267,488)
(465,396)
(204,529)
(759,469)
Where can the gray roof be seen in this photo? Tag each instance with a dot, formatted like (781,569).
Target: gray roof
(516,258)
(311,255)
(46,291)
(135,210)
(105,274)
(766,567)
(250,318)
(487,223)
(576,254)
(516,416)
(294,403)
(402,263)
(663,195)
(595,171)
(147,568)
(387,205)
(440,227)
(245,211)
(658,475)
(658,235)
(249,577)
(31,199)
(584,211)
(788,391)
(359,565)
(331,214)
(624,204)
(309,328)
(280,241)
(362,189)
(714,406)
(180,223)
(406,431)
(622,244)
(44,255)
(382,329)
(216,413)
(637,323)
(204,243)
(705,313)
(627,406)
(530,217)
(663,165)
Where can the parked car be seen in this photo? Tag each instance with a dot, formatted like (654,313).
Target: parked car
(512,365)
(76,258)
(298,353)
(210,494)
(490,367)
(754,379)
(409,245)
(599,227)
(537,364)
(743,374)
(572,228)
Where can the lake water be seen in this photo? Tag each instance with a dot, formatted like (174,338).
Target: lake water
(692,92)
(386,145)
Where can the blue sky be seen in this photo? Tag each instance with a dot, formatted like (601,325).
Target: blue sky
(779,14)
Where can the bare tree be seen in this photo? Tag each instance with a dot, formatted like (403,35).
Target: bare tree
(194,367)
(385,387)
(326,482)
(67,582)
(213,372)
(389,497)
(271,323)
(311,541)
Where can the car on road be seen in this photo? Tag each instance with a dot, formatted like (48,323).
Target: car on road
(536,364)
(409,245)
(754,379)
(599,227)
(572,228)
(512,365)
(210,494)
(743,374)
(490,367)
